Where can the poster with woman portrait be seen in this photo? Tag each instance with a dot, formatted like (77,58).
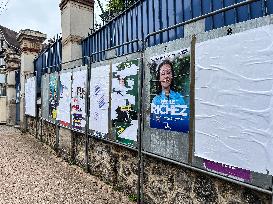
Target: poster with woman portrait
(170,90)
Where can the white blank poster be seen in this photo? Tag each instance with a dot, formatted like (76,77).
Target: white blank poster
(30,96)
(234,100)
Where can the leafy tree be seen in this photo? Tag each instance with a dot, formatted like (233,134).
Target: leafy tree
(114,7)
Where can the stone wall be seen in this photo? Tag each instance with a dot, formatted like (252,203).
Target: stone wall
(31,125)
(168,183)
(115,165)
(164,182)
(65,144)
(78,149)
(48,135)
(11,115)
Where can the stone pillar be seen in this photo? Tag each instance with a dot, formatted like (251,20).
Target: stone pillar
(30,44)
(12,60)
(77,20)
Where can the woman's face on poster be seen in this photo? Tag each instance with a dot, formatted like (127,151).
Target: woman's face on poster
(165,76)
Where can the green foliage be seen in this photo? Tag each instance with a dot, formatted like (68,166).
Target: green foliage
(117,6)
(182,76)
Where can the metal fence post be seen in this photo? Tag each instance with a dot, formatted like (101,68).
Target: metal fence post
(36,109)
(57,128)
(87,112)
(24,107)
(192,100)
(140,130)
(41,118)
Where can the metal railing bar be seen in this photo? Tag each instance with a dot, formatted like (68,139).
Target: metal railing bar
(86,57)
(115,47)
(200,17)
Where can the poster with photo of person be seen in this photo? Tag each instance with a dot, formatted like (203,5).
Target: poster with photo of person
(170,90)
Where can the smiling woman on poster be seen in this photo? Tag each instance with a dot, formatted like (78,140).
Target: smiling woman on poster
(168,109)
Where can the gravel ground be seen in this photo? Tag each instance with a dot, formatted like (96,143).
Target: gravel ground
(30,172)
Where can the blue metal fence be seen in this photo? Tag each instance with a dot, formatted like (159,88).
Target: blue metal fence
(147,16)
(50,57)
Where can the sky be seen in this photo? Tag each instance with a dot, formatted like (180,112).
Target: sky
(40,15)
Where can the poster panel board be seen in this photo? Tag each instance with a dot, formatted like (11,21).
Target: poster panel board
(169,90)
(30,96)
(166,98)
(53,96)
(45,96)
(78,98)
(124,101)
(233,98)
(99,100)
(63,109)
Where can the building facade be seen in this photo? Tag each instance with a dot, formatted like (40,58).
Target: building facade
(9,63)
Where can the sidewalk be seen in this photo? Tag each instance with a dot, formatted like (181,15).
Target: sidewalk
(30,172)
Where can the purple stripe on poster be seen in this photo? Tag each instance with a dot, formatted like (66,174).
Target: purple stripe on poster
(234,172)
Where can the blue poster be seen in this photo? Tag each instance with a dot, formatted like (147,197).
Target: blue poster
(170,89)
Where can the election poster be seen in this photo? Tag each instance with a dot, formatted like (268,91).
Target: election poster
(234,98)
(78,98)
(170,89)
(30,97)
(45,96)
(124,101)
(99,100)
(63,110)
(53,97)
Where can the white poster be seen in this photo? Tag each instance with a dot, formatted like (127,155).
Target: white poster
(124,101)
(30,96)
(234,100)
(45,95)
(78,98)
(99,99)
(63,110)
